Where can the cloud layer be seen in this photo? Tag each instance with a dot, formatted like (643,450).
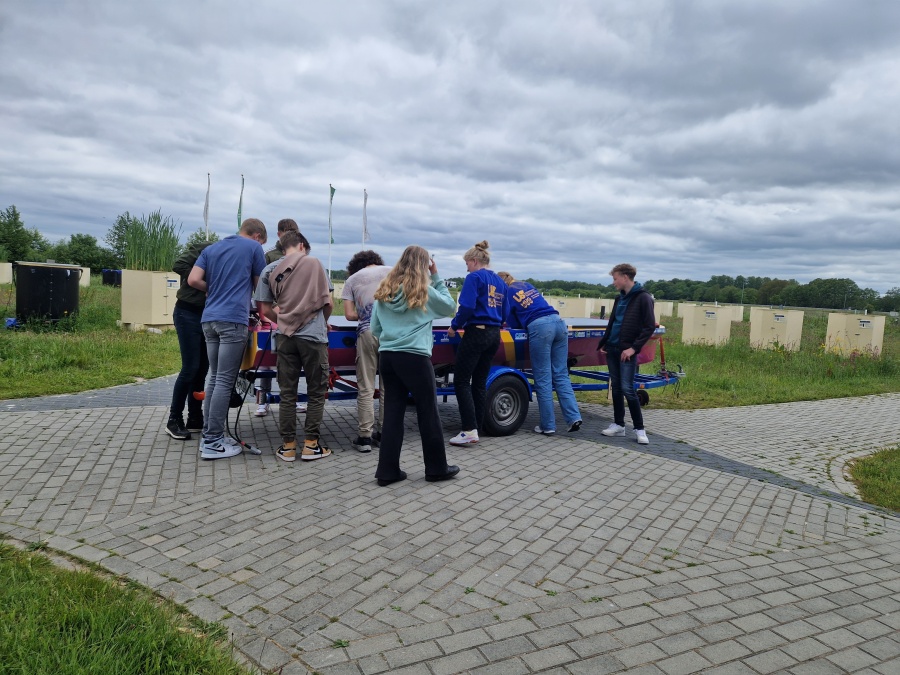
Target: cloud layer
(691,138)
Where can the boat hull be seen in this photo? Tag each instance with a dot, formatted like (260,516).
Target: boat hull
(584,334)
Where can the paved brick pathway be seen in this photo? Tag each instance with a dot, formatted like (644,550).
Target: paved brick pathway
(731,544)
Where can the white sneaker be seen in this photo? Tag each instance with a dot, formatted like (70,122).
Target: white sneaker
(218,450)
(262,410)
(465,438)
(613,430)
(301,407)
(538,430)
(641,436)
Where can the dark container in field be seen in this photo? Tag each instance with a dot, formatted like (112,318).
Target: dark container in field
(45,291)
(111,277)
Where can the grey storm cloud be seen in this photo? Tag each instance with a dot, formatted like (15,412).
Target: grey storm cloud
(690,138)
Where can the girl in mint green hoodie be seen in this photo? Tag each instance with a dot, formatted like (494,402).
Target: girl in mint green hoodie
(409,298)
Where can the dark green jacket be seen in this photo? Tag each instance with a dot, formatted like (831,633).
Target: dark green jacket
(274,254)
(188,296)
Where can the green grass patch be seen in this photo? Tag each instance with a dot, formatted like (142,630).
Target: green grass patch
(87,352)
(54,620)
(878,478)
(734,374)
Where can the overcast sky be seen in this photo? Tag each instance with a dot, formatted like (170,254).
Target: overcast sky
(690,138)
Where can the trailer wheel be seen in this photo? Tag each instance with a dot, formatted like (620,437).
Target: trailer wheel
(507,406)
(643,397)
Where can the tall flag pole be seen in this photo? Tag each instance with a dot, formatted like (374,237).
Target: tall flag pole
(365,221)
(330,235)
(241,203)
(206,209)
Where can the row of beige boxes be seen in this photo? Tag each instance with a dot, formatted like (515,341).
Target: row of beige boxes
(583,308)
(780,328)
(148,299)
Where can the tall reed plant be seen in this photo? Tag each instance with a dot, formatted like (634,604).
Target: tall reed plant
(152,242)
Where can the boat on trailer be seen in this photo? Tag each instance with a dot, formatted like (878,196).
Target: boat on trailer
(510,383)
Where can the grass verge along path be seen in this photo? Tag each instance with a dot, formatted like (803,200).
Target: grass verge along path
(878,478)
(54,620)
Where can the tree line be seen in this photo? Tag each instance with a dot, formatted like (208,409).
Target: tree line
(820,293)
(18,242)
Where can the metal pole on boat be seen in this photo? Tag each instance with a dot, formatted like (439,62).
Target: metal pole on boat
(330,236)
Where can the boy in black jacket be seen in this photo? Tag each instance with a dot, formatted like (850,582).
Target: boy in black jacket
(631,324)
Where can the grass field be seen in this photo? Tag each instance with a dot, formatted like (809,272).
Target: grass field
(88,353)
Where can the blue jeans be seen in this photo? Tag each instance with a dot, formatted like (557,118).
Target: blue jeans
(225,344)
(548,344)
(194,363)
(621,382)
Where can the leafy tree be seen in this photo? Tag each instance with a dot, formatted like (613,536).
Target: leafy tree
(83,250)
(116,237)
(890,301)
(19,242)
(199,235)
(770,292)
(730,294)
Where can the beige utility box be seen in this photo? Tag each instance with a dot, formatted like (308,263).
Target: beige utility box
(775,328)
(148,298)
(849,333)
(663,308)
(85,279)
(682,308)
(737,312)
(705,325)
(572,308)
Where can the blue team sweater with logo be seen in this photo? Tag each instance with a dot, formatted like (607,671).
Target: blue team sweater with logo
(482,301)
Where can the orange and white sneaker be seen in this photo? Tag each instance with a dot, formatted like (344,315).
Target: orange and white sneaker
(312,452)
(286,454)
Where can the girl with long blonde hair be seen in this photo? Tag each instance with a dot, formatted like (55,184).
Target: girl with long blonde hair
(408,299)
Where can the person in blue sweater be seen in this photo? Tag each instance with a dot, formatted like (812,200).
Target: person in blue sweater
(483,308)
(548,345)
(407,300)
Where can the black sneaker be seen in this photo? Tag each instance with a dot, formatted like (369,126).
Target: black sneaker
(376,438)
(175,429)
(363,444)
(575,426)
(194,423)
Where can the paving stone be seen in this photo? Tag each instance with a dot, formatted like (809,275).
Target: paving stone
(547,658)
(601,665)
(689,662)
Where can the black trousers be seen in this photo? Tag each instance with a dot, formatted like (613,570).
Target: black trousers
(402,374)
(470,373)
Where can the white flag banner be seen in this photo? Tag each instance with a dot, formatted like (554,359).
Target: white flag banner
(206,209)
(365,221)
(241,203)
